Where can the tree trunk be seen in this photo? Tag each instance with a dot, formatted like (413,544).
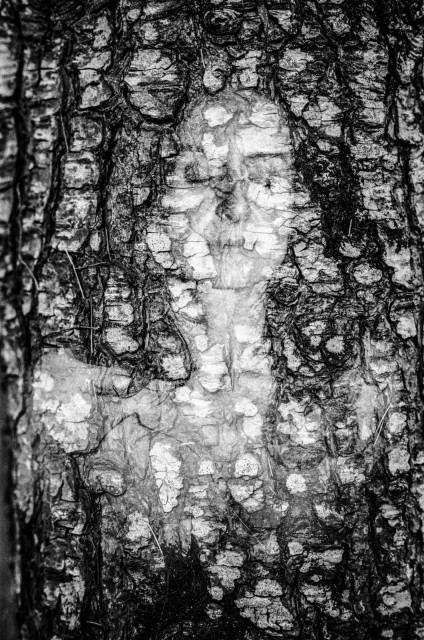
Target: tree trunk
(97,108)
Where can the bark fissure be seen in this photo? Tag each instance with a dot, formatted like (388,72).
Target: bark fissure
(199,452)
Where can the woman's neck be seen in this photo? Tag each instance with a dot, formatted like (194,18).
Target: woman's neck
(228,348)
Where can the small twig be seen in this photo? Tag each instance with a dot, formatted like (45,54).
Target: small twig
(88,266)
(96,623)
(30,273)
(94,393)
(157,541)
(350,227)
(84,326)
(76,274)
(64,131)
(164,605)
(201,57)
(55,333)
(91,327)
(380,424)
(107,242)
(198,42)
(249,531)
(269,466)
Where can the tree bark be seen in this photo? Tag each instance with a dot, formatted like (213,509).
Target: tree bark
(94,97)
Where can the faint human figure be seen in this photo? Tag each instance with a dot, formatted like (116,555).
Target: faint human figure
(187,454)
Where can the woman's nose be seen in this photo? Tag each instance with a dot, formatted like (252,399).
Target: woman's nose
(235,206)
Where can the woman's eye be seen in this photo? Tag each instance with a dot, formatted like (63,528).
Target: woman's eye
(196,173)
(260,179)
(191,173)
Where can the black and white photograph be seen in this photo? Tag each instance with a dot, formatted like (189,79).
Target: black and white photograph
(211,320)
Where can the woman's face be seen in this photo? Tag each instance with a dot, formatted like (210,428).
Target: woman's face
(227,198)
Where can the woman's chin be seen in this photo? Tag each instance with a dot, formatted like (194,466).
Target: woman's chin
(238,270)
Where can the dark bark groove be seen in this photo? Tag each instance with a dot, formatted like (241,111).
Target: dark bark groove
(95,101)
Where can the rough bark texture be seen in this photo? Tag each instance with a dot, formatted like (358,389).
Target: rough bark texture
(96,97)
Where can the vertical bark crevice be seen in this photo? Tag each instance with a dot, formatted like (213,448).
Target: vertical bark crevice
(101,105)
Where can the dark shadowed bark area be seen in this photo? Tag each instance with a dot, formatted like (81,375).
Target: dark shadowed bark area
(313,528)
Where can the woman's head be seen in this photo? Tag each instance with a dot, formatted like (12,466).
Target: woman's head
(227,202)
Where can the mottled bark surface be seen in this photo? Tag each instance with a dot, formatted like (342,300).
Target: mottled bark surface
(309,524)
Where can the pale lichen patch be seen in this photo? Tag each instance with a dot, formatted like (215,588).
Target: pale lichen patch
(296,483)
(247,465)
(217,116)
(138,528)
(266,613)
(295,548)
(398,460)
(166,468)
(268,587)
(364,274)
